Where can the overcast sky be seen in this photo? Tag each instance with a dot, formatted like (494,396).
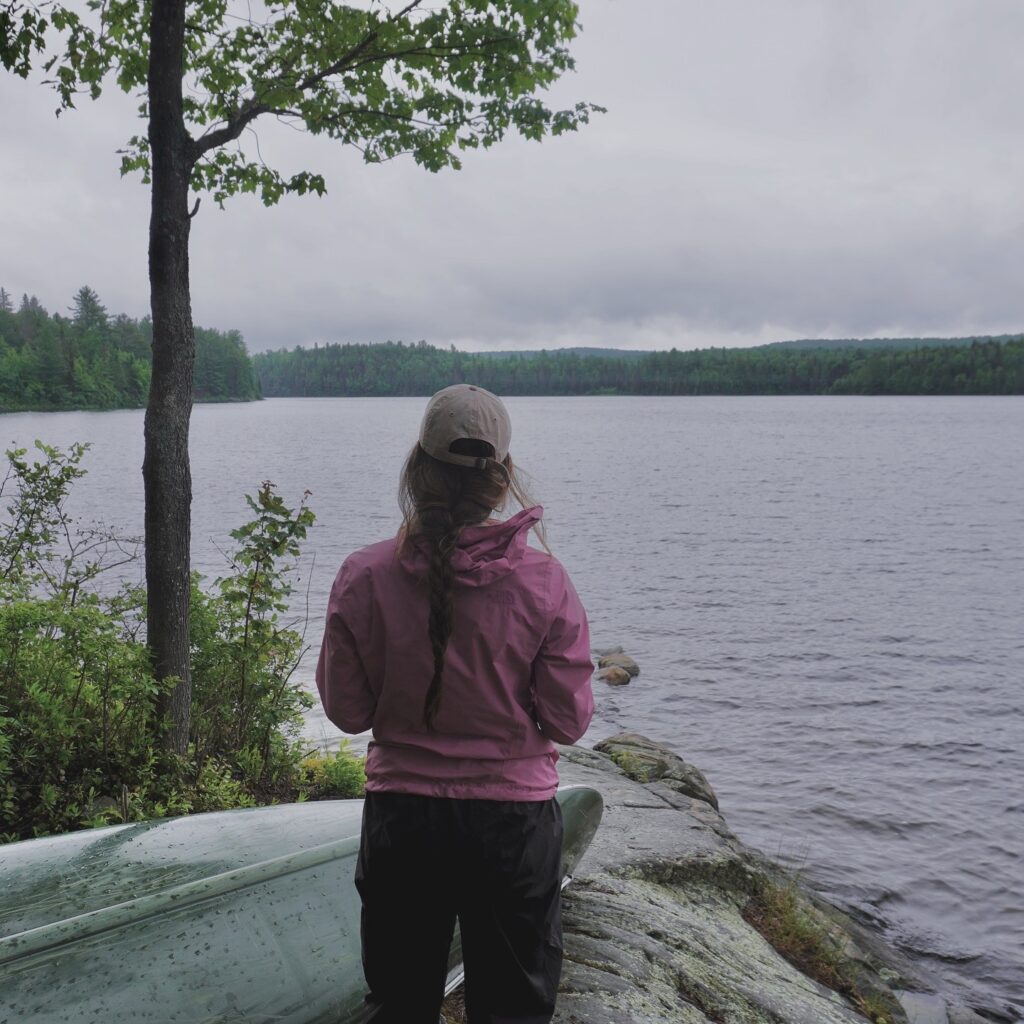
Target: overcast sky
(800,168)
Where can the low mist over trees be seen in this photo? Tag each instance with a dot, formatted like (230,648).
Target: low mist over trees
(89,359)
(977,367)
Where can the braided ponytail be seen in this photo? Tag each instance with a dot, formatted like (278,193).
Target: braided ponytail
(438,501)
(441,579)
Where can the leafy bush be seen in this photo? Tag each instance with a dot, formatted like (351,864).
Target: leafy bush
(76,713)
(334,776)
(79,734)
(243,657)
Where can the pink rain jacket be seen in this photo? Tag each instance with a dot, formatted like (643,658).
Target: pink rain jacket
(516,673)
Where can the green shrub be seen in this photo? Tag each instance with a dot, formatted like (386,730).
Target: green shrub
(216,788)
(76,714)
(79,734)
(336,776)
(245,707)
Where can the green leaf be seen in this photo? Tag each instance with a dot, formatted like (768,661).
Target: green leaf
(431,83)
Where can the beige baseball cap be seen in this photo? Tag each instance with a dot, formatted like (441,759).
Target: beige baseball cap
(465,412)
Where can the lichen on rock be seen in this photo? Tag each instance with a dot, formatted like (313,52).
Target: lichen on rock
(645,761)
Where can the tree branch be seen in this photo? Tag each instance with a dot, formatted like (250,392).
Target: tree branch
(246,114)
(437,52)
(343,62)
(339,118)
(253,108)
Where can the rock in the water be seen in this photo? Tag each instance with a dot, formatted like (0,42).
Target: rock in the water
(965,1015)
(617,658)
(645,761)
(924,1008)
(614,676)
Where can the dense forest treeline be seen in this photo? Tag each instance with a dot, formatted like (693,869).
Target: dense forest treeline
(892,342)
(92,360)
(898,342)
(982,367)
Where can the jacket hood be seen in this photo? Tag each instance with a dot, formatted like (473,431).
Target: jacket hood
(484,553)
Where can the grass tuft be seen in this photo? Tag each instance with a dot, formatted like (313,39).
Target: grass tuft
(788,921)
(776,911)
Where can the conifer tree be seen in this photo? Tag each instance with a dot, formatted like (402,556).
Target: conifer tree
(88,312)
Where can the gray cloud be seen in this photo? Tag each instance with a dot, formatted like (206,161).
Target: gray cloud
(802,168)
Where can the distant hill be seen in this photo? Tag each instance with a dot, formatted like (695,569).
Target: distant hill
(797,344)
(978,368)
(600,353)
(894,343)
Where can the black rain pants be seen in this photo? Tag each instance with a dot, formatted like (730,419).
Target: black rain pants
(494,865)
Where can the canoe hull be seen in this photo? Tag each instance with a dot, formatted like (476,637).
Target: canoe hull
(234,916)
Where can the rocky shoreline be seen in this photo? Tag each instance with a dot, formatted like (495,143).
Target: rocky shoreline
(667,918)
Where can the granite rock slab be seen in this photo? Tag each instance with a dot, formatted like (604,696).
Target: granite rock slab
(654,925)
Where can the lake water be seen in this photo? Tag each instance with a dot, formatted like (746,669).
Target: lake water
(824,596)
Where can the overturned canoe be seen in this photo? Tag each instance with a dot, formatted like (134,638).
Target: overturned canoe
(247,915)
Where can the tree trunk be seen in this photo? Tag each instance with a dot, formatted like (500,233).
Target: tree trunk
(165,471)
